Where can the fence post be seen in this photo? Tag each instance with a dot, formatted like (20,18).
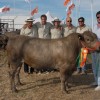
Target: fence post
(13,24)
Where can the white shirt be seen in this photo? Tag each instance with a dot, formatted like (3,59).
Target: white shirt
(44,30)
(83,29)
(56,33)
(29,32)
(68,31)
(96,30)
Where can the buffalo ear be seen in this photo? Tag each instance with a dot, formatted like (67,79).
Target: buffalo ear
(81,37)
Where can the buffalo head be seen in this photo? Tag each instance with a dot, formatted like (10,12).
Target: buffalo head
(90,40)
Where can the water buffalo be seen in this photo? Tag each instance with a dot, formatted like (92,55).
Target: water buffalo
(60,54)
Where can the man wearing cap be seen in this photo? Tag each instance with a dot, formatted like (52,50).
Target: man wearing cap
(69,28)
(57,30)
(44,28)
(29,29)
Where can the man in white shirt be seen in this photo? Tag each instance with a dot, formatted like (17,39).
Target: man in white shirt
(96,56)
(29,29)
(57,30)
(44,28)
(69,27)
(81,29)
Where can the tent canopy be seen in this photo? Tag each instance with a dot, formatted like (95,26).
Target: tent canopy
(49,18)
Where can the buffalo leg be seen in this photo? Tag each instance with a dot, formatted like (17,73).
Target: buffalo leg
(18,77)
(12,73)
(63,85)
(65,74)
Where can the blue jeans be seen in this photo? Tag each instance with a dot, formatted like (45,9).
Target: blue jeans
(96,67)
(83,69)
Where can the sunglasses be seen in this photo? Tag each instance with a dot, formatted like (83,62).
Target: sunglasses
(69,21)
(98,17)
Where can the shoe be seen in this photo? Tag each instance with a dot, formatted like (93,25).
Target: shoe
(83,73)
(76,72)
(94,84)
(97,88)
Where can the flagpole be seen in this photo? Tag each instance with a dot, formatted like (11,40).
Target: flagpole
(30,7)
(78,8)
(14,6)
(72,11)
(92,13)
(76,12)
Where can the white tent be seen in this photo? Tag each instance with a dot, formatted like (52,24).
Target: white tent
(49,18)
(19,21)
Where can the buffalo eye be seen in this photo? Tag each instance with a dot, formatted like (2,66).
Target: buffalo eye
(88,40)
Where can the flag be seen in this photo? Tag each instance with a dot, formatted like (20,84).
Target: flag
(69,13)
(35,10)
(70,3)
(28,1)
(66,2)
(71,6)
(83,57)
(4,9)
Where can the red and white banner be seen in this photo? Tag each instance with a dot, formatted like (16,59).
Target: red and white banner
(66,2)
(72,6)
(69,8)
(69,13)
(35,10)
(4,9)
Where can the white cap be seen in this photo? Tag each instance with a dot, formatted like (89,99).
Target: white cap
(29,19)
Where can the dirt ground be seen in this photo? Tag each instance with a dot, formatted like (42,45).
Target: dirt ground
(46,86)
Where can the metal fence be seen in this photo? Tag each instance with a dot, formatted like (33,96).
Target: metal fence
(6,25)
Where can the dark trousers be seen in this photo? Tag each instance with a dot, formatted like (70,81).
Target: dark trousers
(28,69)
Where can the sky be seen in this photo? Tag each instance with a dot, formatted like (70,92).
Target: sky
(55,7)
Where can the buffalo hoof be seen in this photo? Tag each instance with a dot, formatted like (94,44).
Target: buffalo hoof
(14,91)
(19,84)
(69,86)
(65,92)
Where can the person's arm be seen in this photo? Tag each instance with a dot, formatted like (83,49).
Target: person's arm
(62,31)
(51,26)
(22,32)
(35,31)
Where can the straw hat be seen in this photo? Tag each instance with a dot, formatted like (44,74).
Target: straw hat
(29,19)
(56,20)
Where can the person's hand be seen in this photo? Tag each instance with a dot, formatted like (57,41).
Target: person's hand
(61,28)
(25,26)
(29,26)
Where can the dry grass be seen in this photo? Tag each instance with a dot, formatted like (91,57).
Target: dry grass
(46,86)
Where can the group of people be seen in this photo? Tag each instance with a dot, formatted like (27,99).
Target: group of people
(55,30)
